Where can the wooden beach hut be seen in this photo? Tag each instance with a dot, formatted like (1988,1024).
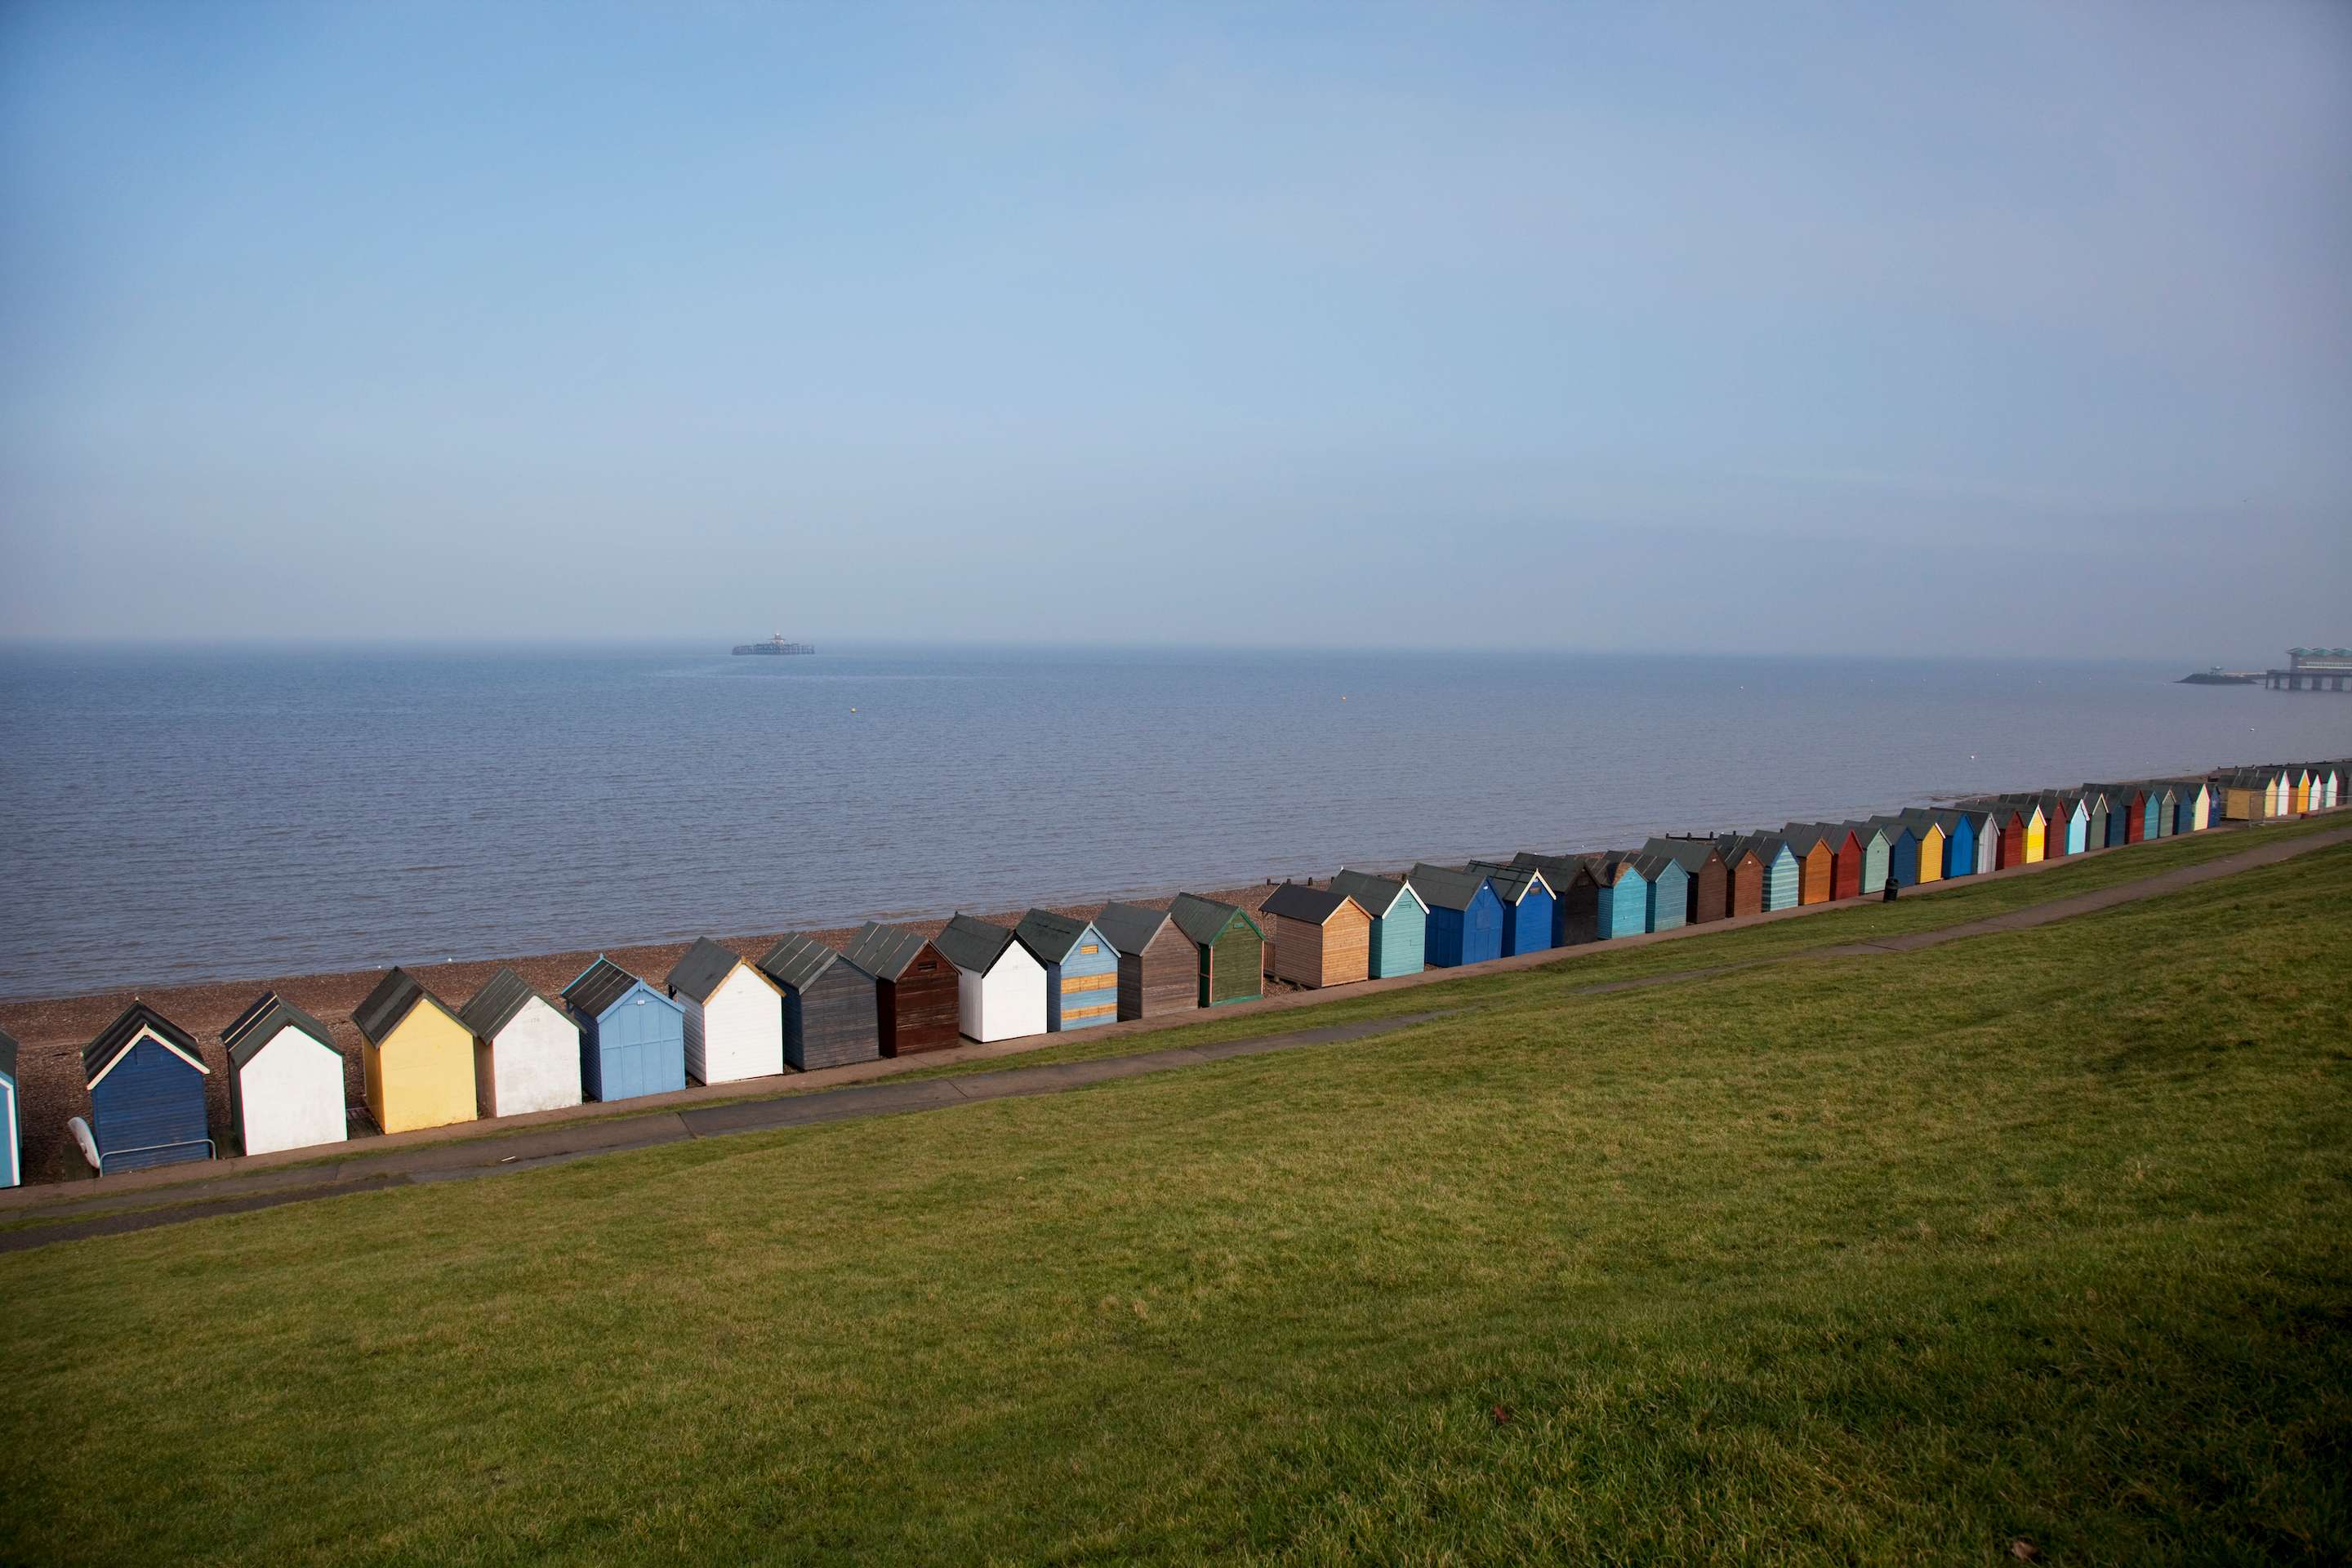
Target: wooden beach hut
(830,1016)
(12,1116)
(1783,875)
(1466,916)
(1000,984)
(1321,936)
(1622,904)
(2096,813)
(2193,812)
(917,992)
(2008,830)
(1527,905)
(1876,847)
(1960,842)
(1668,887)
(1399,920)
(733,1015)
(1577,891)
(1935,843)
(146,1080)
(284,1078)
(1707,886)
(1744,874)
(2163,802)
(1081,970)
(416,1060)
(1230,945)
(1159,968)
(1816,861)
(632,1036)
(526,1048)
(1902,850)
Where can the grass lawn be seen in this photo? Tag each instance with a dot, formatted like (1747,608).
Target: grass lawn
(2045,1237)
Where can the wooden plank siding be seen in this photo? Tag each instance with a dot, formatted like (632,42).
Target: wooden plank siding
(1159,980)
(834,1022)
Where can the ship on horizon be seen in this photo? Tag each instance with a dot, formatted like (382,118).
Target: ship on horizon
(775,645)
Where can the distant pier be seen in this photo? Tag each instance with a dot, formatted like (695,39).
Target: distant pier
(2311,669)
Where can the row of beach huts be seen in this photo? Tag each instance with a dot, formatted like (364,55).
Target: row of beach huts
(718,1017)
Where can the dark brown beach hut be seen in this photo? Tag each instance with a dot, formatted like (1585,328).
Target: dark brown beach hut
(1320,938)
(1159,969)
(1743,871)
(916,997)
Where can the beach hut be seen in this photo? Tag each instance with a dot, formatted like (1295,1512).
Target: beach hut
(1230,945)
(416,1060)
(1960,842)
(1622,906)
(1706,891)
(284,1078)
(1081,970)
(632,1038)
(2164,803)
(1902,850)
(1816,861)
(1668,888)
(1000,984)
(2302,777)
(734,1016)
(917,992)
(2008,830)
(830,1016)
(1527,905)
(2194,810)
(1159,969)
(2069,824)
(1577,893)
(1877,846)
(1323,936)
(1466,916)
(2096,813)
(2333,776)
(146,1080)
(1399,920)
(1783,873)
(1935,843)
(12,1116)
(526,1048)
(1744,873)
(2282,790)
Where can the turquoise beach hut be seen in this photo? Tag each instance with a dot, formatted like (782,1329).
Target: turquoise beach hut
(1667,890)
(1623,907)
(12,1129)
(1781,871)
(1399,920)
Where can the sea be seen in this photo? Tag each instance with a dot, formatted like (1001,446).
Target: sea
(170,815)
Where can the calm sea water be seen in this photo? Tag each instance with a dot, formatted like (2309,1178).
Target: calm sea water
(168,816)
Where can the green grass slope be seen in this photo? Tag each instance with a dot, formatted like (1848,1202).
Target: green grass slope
(2044,1237)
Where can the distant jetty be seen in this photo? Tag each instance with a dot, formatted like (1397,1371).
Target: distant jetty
(775,646)
(2216,676)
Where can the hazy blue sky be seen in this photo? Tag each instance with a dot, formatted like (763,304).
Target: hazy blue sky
(1781,327)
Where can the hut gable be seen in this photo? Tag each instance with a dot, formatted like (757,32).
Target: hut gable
(1000,986)
(284,1078)
(1322,938)
(526,1048)
(146,1081)
(117,1039)
(1400,932)
(1528,902)
(1466,916)
(1081,969)
(632,1036)
(733,1015)
(830,1011)
(417,1058)
(1158,967)
(1232,948)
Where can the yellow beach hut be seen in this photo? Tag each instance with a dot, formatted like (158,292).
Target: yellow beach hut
(2037,830)
(416,1058)
(1931,844)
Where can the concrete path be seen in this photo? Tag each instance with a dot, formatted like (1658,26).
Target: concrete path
(113,1214)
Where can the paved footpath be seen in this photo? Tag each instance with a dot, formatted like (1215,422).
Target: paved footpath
(116,1211)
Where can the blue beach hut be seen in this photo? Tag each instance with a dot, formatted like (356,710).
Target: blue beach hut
(1623,905)
(1466,918)
(1527,905)
(1666,893)
(12,1129)
(632,1038)
(146,1080)
(1081,970)
(1902,850)
(1399,920)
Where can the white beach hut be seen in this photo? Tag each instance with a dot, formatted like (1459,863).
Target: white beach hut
(284,1078)
(526,1048)
(734,1014)
(1001,984)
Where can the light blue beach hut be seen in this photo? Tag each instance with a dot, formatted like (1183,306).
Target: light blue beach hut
(1399,920)
(12,1129)
(1667,892)
(632,1038)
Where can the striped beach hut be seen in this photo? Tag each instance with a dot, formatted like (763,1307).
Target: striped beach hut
(12,1116)
(1466,916)
(916,991)
(1668,907)
(830,1016)
(1000,984)
(1706,883)
(526,1048)
(1528,904)
(733,1015)
(1081,970)
(1321,936)
(632,1038)
(284,1078)
(1783,875)
(416,1059)
(1159,968)
(146,1080)
(1816,861)
(1231,946)
(1399,920)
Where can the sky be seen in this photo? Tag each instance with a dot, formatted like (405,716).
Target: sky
(1969,328)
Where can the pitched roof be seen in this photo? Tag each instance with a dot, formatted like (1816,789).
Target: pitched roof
(1654,866)
(1377,894)
(260,1023)
(699,970)
(1736,846)
(1444,887)
(884,951)
(1130,928)
(796,962)
(972,944)
(1512,881)
(1298,901)
(1051,936)
(600,985)
(7,1053)
(1690,854)
(121,1035)
(1204,919)
(394,997)
(1560,870)
(494,1006)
